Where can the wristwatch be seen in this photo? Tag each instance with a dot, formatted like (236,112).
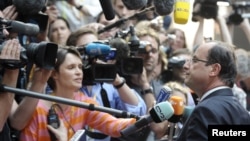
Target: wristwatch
(147,91)
(79,7)
(120,85)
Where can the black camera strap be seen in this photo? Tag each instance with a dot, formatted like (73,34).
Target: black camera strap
(104,95)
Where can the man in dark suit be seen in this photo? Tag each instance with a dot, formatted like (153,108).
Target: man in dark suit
(211,75)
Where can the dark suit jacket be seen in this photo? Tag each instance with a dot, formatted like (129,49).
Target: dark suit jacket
(219,108)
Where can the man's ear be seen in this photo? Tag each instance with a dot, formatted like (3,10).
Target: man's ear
(215,69)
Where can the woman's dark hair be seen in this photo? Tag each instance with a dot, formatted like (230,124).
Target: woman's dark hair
(61,55)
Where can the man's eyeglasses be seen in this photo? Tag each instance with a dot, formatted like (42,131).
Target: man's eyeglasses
(195,60)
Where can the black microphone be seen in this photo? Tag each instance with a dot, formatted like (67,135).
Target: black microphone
(160,112)
(163,7)
(29,7)
(20,27)
(135,4)
(107,9)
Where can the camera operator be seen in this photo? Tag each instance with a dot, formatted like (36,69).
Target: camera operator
(10,51)
(117,93)
(20,113)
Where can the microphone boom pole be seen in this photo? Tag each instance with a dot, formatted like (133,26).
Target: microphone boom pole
(123,20)
(71,102)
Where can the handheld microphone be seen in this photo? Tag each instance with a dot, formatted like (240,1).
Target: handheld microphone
(164,94)
(160,112)
(135,4)
(187,112)
(163,7)
(181,11)
(95,49)
(107,9)
(77,135)
(178,105)
(20,27)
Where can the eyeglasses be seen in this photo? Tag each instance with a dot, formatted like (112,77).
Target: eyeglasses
(195,60)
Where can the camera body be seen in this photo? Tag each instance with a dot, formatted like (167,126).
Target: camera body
(93,71)
(43,54)
(240,10)
(205,8)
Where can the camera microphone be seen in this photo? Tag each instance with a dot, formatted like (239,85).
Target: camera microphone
(20,27)
(94,49)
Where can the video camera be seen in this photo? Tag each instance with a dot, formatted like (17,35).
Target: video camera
(239,12)
(93,71)
(124,48)
(207,9)
(173,63)
(43,54)
(133,64)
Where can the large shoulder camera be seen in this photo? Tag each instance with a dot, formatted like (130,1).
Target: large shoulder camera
(43,54)
(94,72)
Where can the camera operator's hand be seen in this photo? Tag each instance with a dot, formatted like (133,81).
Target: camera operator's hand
(11,50)
(94,26)
(61,132)
(79,6)
(52,12)
(10,13)
(39,79)
(141,79)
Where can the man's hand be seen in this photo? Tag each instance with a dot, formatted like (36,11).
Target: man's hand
(11,50)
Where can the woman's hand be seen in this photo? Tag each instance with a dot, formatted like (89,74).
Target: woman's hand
(61,133)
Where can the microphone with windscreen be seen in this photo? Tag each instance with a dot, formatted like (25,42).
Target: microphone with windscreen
(163,7)
(107,9)
(20,27)
(135,4)
(159,113)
